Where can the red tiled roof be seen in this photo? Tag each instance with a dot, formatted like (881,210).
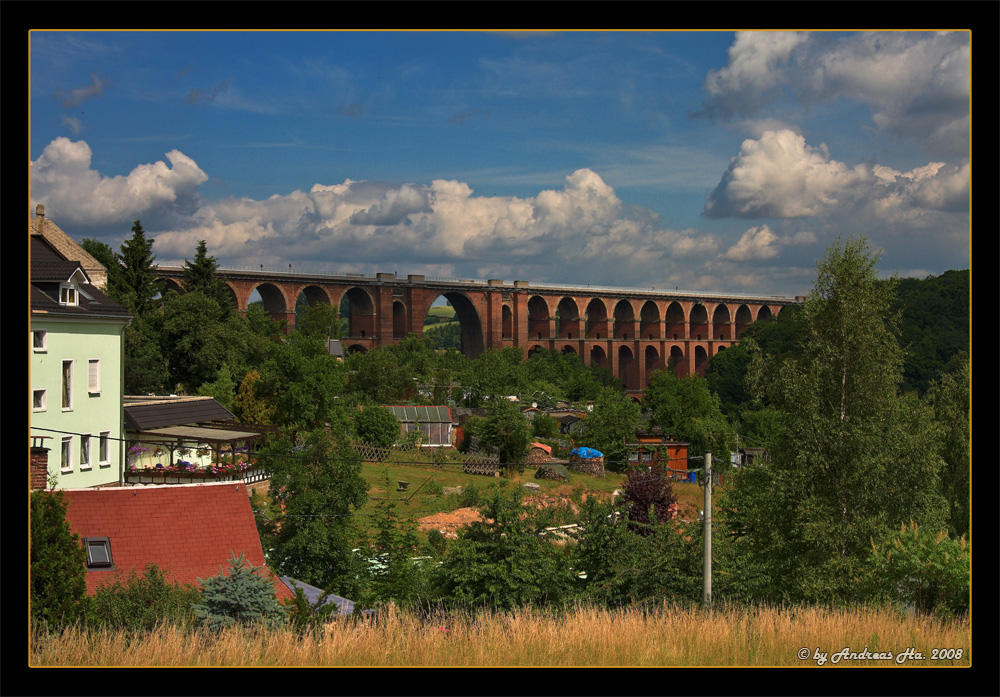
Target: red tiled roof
(188,530)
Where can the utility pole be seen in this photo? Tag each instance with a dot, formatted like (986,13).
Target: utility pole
(706,594)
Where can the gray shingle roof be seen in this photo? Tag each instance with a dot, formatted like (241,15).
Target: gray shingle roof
(173,412)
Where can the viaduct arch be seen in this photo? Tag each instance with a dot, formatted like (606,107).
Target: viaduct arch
(632,332)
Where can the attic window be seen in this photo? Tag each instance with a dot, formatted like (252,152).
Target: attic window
(68,294)
(98,552)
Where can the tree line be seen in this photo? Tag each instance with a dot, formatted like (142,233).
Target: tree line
(864,497)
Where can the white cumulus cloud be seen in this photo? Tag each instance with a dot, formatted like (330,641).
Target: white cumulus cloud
(780,176)
(62,179)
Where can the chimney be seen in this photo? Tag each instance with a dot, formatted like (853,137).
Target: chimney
(39,464)
(39,211)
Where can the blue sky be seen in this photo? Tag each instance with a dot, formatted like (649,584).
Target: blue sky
(699,160)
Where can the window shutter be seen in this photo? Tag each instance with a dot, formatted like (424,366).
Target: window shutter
(94,375)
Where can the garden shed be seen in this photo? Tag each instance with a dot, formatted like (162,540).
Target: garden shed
(433,422)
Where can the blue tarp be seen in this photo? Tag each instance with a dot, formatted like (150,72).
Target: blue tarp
(586,453)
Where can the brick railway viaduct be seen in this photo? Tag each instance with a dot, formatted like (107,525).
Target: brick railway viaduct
(630,331)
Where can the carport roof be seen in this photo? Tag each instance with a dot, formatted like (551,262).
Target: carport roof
(147,413)
(201,434)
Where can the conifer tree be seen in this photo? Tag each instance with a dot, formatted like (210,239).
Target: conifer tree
(202,275)
(243,596)
(139,285)
(58,563)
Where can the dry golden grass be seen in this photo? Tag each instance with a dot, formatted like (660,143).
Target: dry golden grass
(587,636)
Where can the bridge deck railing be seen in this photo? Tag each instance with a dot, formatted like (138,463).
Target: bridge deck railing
(537,286)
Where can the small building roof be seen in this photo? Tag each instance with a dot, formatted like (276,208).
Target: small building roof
(66,246)
(150,413)
(421,414)
(49,269)
(313,594)
(188,530)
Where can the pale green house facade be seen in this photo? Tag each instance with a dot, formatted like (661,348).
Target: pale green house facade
(75,372)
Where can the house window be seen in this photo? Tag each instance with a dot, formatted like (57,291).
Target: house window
(102,448)
(39,339)
(94,375)
(38,400)
(67,384)
(66,454)
(98,552)
(67,294)
(85,451)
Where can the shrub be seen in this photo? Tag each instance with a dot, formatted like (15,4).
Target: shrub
(502,563)
(650,497)
(142,602)
(241,597)
(470,497)
(377,426)
(437,541)
(928,571)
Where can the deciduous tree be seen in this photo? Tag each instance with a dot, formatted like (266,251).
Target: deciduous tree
(321,486)
(502,563)
(854,461)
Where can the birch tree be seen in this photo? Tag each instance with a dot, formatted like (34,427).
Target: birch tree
(854,462)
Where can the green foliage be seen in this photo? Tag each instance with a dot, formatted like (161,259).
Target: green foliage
(141,603)
(502,563)
(437,542)
(243,596)
(727,370)
(136,287)
(470,497)
(623,568)
(395,577)
(445,336)
(201,275)
(759,426)
(58,563)
(544,425)
(192,338)
(376,425)
(304,616)
(853,461)
(302,381)
(320,484)
(950,399)
(612,423)
(378,376)
(933,325)
(507,433)
(222,389)
(564,376)
(928,571)
(496,374)
(250,405)
(319,320)
(145,366)
(688,412)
